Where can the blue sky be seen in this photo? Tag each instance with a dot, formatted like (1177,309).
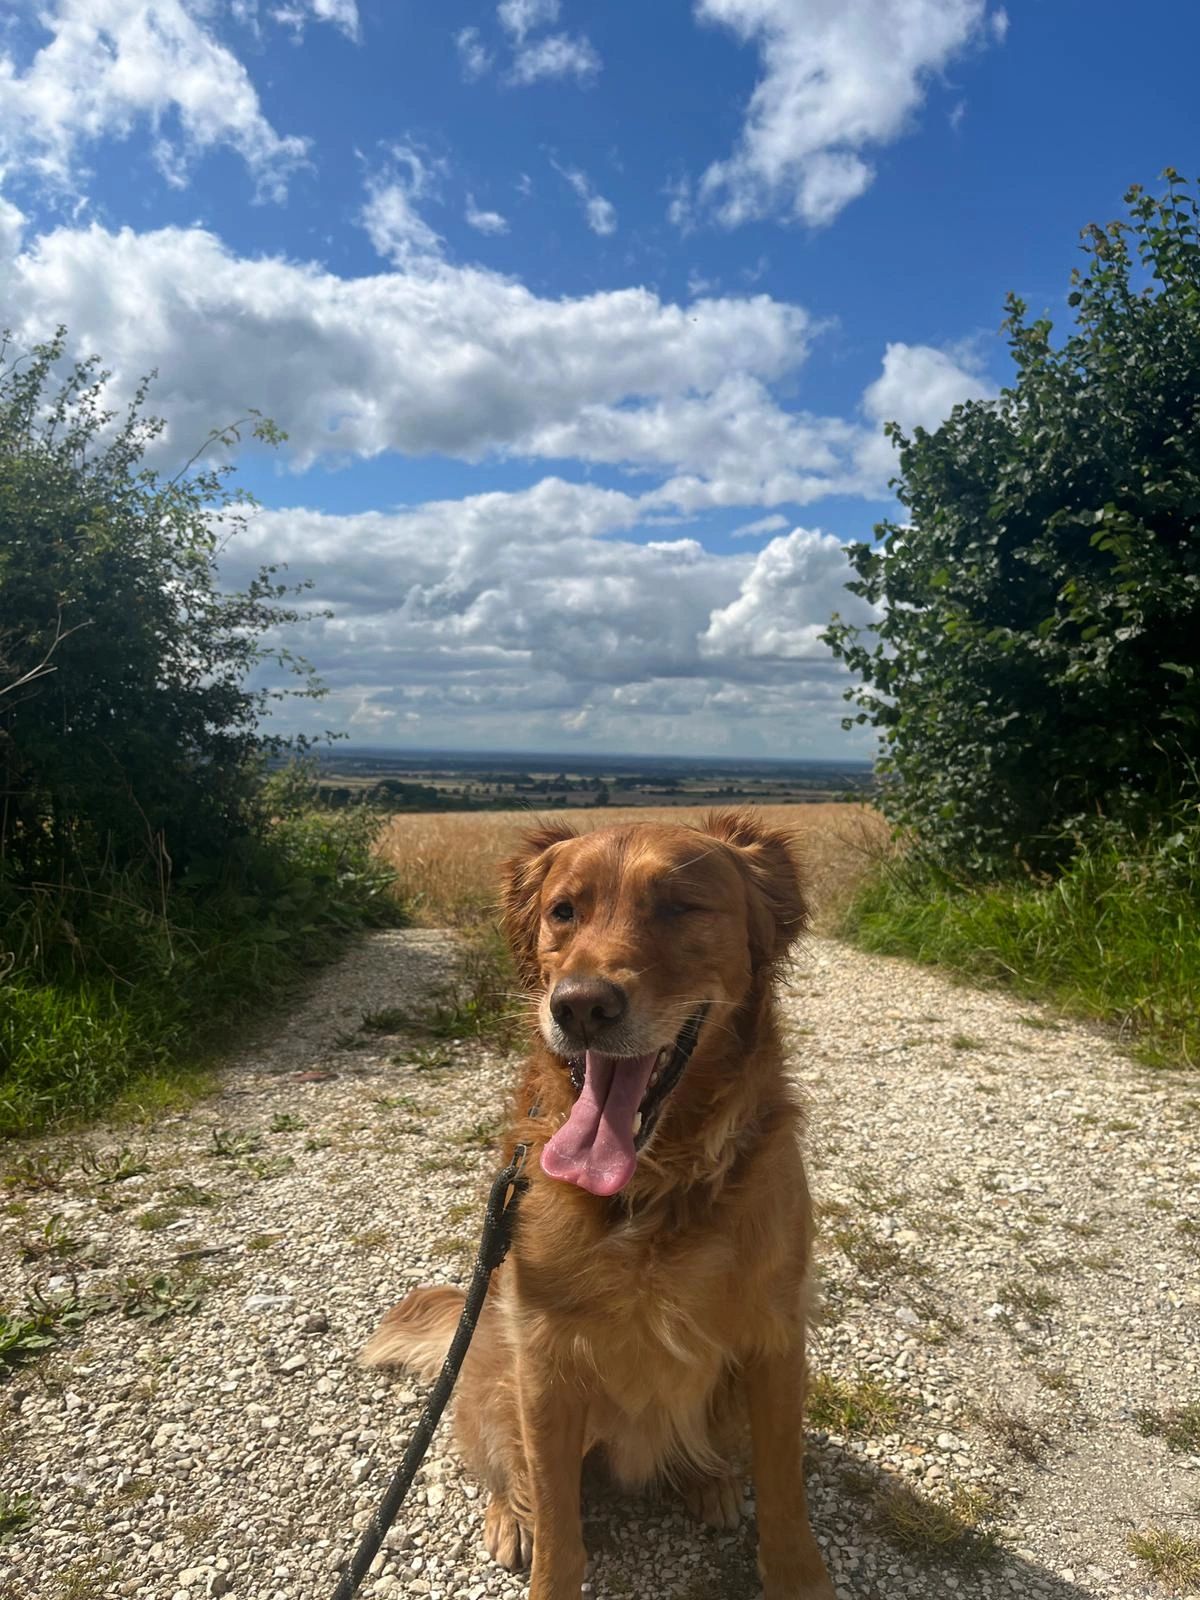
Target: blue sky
(583,319)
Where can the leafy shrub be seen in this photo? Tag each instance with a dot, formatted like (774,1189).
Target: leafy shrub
(155,882)
(1037,656)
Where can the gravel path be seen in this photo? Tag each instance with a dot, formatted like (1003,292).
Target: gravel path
(1011,1220)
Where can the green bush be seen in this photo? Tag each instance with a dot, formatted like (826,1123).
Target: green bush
(1037,654)
(155,882)
(1115,935)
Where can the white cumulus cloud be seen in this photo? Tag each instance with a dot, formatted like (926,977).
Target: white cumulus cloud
(918,388)
(484,221)
(109,66)
(532,617)
(784,601)
(600,213)
(394,225)
(838,78)
(433,358)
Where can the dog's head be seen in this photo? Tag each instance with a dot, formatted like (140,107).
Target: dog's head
(635,940)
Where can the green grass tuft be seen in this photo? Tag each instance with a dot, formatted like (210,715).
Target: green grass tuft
(483,1000)
(16,1512)
(957,1530)
(27,1334)
(1173,1558)
(861,1407)
(1178,1427)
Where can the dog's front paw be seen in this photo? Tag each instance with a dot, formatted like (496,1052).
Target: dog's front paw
(506,1539)
(800,1577)
(717,1500)
(800,1589)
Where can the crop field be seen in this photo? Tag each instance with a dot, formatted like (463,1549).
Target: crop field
(447,862)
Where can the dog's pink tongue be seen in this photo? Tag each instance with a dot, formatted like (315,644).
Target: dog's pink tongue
(594,1147)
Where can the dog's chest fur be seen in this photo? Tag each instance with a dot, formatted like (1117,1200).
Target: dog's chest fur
(663,1300)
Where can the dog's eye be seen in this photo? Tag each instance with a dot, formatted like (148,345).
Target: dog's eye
(563,911)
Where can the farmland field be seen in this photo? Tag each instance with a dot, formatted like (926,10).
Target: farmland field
(447,862)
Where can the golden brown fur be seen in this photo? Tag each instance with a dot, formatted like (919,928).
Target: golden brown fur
(650,1324)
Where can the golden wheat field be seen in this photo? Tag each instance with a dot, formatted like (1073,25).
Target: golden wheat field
(446,862)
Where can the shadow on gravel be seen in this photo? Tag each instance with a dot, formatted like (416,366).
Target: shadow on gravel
(880,1539)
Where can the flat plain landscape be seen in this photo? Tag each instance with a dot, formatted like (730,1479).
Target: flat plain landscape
(500,781)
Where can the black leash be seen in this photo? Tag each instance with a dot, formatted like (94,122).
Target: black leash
(503,1201)
(494,1243)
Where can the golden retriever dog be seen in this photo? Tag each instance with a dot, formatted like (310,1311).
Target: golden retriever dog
(655,1296)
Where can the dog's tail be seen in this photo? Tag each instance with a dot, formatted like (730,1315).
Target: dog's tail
(416,1334)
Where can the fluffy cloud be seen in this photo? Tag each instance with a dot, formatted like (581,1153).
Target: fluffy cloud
(463,362)
(12,231)
(785,600)
(838,77)
(920,386)
(534,615)
(558,55)
(395,227)
(110,65)
(484,221)
(458,361)
(734,435)
(601,214)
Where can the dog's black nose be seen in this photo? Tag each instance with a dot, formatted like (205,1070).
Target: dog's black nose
(582,1005)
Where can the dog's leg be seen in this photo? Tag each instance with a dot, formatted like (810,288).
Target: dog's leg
(553,1416)
(788,1557)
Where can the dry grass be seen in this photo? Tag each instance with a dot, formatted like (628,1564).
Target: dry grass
(1172,1557)
(447,862)
(954,1530)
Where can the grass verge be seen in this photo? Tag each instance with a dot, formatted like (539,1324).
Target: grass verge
(482,1000)
(123,988)
(1115,937)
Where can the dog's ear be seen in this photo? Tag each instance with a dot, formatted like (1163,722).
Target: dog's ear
(521,879)
(768,859)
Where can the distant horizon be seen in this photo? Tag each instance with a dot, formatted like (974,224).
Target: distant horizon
(591,757)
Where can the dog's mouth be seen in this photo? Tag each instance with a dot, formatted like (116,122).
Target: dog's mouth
(619,1100)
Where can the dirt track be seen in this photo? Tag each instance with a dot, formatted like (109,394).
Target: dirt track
(1011,1216)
